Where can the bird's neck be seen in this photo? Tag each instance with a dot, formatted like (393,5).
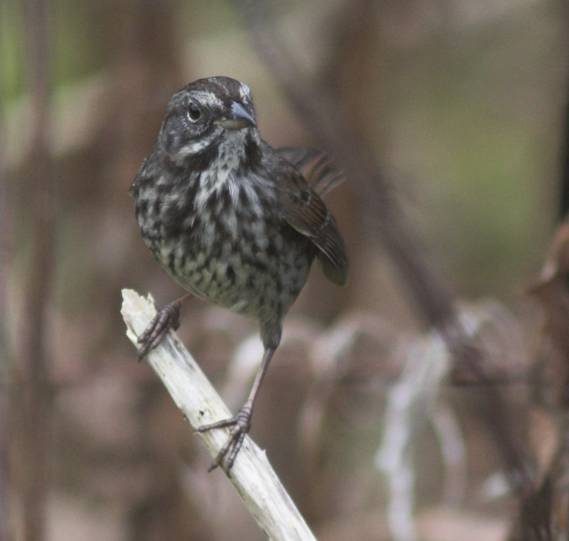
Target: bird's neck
(239,150)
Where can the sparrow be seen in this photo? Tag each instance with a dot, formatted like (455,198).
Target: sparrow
(234,221)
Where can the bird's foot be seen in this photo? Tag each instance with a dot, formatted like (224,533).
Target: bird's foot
(167,318)
(240,425)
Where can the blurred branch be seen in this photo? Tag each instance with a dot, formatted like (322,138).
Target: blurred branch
(410,404)
(5,234)
(321,110)
(453,450)
(31,405)
(324,115)
(5,231)
(351,23)
(564,177)
(252,475)
(563,194)
(544,511)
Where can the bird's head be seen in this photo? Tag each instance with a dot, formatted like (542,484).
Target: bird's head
(206,116)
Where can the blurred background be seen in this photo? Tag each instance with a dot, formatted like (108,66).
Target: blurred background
(462,105)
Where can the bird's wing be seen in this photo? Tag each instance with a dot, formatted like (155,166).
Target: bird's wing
(316,166)
(303,209)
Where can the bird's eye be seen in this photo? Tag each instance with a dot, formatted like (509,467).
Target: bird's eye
(194,112)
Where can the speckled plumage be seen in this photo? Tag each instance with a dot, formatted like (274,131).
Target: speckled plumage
(219,230)
(230,218)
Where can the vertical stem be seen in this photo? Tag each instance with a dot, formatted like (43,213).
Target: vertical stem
(31,395)
(5,228)
(564,180)
(563,193)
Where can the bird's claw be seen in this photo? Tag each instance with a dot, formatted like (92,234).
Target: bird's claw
(239,425)
(167,318)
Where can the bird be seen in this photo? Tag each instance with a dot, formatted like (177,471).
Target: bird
(234,221)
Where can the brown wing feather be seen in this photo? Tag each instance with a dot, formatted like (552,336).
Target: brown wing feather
(316,166)
(304,210)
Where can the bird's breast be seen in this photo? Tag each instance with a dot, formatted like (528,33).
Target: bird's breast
(221,237)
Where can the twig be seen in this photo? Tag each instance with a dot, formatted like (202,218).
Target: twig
(563,208)
(252,475)
(409,405)
(31,410)
(5,230)
(453,450)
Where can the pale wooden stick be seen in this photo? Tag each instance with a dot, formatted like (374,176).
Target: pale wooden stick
(252,475)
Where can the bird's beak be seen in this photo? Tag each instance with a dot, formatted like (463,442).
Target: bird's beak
(238,119)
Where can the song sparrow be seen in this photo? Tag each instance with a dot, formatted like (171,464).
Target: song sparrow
(233,220)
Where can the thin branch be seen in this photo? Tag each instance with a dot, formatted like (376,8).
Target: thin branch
(410,404)
(453,451)
(563,203)
(5,235)
(252,475)
(563,206)
(32,409)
